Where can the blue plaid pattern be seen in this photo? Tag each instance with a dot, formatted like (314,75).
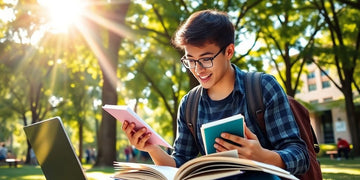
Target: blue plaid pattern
(282,131)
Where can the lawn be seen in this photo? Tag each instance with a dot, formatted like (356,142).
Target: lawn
(28,172)
(331,169)
(342,170)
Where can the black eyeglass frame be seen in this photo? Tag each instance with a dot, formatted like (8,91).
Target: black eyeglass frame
(199,61)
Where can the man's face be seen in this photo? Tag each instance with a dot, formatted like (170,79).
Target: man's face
(209,77)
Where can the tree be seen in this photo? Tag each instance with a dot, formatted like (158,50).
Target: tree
(27,83)
(355,5)
(31,66)
(340,47)
(287,30)
(107,56)
(80,92)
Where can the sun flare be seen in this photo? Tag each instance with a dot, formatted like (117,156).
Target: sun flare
(62,13)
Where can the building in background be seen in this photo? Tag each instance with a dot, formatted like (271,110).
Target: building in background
(327,105)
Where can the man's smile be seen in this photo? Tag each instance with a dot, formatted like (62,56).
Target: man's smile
(204,77)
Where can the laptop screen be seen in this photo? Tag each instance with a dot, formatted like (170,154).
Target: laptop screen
(53,150)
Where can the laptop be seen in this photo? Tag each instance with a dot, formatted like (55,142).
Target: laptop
(54,150)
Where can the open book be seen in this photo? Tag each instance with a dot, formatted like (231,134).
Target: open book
(123,113)
(212,130)
(213,166)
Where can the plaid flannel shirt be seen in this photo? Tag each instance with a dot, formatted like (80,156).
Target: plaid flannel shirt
(282,131)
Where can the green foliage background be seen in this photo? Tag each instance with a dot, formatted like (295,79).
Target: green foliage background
(60,75)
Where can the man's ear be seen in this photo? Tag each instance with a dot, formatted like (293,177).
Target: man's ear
(230,50)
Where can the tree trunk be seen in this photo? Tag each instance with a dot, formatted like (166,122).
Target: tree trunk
(353,122)
(107,133)
(81,137)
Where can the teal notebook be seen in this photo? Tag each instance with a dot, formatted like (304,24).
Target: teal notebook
(212,130)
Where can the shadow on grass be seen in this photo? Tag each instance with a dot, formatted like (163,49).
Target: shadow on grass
(333,169)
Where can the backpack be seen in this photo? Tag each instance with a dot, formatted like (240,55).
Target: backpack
(252,82)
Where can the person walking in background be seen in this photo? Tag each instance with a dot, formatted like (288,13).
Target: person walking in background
(3,152)
(88,155)
(144,156)
(134,153)
(343,147)
(127,152)
(33,160)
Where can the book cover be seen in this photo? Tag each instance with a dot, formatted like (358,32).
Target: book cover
(123,112)
(212,130)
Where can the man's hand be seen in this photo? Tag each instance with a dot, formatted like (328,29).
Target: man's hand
(248,148)
(138,138)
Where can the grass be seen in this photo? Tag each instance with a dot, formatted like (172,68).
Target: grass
(331,169)
(27,172)
(342,170)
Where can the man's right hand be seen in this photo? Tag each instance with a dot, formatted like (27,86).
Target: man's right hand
(138,138)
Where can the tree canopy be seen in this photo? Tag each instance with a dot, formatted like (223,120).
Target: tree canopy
(120,52)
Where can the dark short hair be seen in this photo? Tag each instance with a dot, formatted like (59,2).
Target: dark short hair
(207,26)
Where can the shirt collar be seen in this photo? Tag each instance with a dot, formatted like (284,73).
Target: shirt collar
(239,80)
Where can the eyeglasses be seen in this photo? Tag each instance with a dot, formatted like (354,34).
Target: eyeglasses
(206,62)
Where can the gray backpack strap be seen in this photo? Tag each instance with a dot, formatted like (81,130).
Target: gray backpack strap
(191,111)
(253,93)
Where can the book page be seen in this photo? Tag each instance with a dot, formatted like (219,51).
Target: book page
(126,170)
(230,153)
(216,164)
(215,174)
(123,113)
(222,121)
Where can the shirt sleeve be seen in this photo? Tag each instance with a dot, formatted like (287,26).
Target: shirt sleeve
(185,147)
(281,127)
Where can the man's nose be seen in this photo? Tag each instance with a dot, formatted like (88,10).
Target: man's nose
(198,67)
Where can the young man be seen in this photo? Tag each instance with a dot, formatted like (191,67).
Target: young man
(207,38)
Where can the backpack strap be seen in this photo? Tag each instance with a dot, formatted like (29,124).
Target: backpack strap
(253,94)
(191,111)
(316,143)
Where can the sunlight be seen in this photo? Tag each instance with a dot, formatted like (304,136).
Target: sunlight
(342,170)
(62,13)
(35,177)
(65,14)
(115,27)
(95,43)
(99,175)
(7,14)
